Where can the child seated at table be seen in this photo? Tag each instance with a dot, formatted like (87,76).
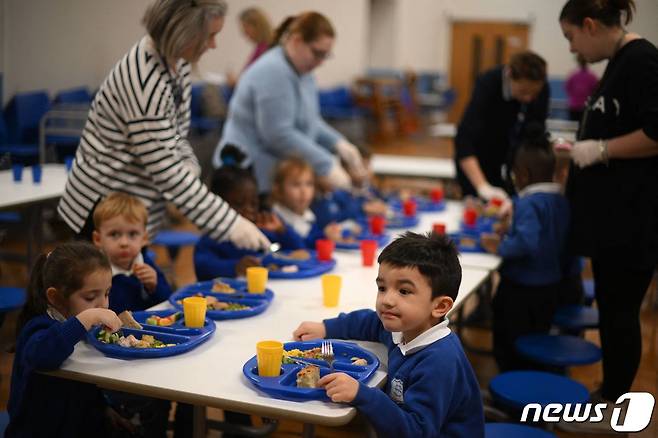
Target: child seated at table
(533,252)
(293,189)
(431,389)
(120,232)
(238,187)
(67,296)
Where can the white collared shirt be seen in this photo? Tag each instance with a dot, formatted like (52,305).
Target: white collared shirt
(541,188)
(127,272)
(301,223)
(55,314)
(424,339)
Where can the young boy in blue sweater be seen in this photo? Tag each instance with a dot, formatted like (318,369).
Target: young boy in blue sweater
(120,232)
(533,252)
(431,390)
(238,187)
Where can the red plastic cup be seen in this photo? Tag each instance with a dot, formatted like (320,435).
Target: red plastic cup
(409,207)
(325,249)
(368,249)
(436,195)
(470,216)
(496,202)
(377,225)
(439,228)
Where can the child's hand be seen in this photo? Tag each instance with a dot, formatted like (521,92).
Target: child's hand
(375,208)
(244,263)
(490,242)
(340,387)
(146,275)
(308,330)
(97,316)
(270,222)
(333,231)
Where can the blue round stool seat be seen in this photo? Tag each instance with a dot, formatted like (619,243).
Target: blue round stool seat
(516,389)
(11,298)
(576,317)
(562,351)
(511,430)
(175,238)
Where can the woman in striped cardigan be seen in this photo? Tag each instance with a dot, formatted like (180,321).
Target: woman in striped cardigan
(135,141)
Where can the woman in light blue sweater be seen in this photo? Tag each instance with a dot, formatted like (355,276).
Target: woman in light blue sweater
(274,113)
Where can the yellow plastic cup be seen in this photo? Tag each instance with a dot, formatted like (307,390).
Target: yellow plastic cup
(194,311)
(269,355)
(256,279)
(331,284)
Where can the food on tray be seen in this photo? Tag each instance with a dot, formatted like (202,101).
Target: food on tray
(130,341)
(288,268)
(298,254)
(359,361)
(221,287)
(313,353)
(308,377)
(164,321)
(467,242)
(214,304)
(127,320)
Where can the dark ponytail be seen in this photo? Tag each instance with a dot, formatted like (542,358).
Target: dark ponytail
(232,174)
(535,154)
(65,269)
(310,25)
(608,12)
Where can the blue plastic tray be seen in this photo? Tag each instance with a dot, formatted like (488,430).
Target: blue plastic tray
(285,385)
(307,268)
(185,338)
(482,225)
(423,204)
(402,222)
(381,239)
(257,302)
(457,237)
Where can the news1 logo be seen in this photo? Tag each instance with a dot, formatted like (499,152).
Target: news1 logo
(638,412)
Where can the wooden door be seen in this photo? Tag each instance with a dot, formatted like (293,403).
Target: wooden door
(479,46)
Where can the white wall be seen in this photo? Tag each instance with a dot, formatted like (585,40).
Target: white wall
(59,44)
(382,32)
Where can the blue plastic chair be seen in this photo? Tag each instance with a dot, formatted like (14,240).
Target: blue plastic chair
(338,104)
(23,114)
(515,389)
(511,430)
(11,298)
(576,318)
(197,121)
(560,351)
(74,95)
(19,153)
(174,240)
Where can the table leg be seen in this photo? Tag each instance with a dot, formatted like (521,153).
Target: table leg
(199,422)
(309,430)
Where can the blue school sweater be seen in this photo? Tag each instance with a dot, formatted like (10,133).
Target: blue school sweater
(212,259)
(337,206)
(41,405)
(534,248)
(431,392)
(128,293)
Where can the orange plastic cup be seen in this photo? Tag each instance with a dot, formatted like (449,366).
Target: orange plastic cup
(331,285)
(256,279)
(368,249)
(269,355)
(194,311)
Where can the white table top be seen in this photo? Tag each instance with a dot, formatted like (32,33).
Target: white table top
(15,194)
(401,165)
(211,375)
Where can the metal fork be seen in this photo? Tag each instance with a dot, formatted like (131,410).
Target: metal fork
(327,352)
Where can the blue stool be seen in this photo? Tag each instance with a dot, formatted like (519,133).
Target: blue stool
(511,430)
(561,351)
(576,318)
(173,240)
(515,389)
(11,298)
(588,288)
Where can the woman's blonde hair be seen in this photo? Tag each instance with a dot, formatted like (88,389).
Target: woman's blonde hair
(257,19)
(174,25)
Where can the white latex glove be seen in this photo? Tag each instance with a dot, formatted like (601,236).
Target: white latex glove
(486,191)
(338,178)
(352,157)
(244,234)
(587,152)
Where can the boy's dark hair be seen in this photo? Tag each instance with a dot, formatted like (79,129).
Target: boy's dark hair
(535,154)
(434,255)
(527,65)
(231,175)
(65,269)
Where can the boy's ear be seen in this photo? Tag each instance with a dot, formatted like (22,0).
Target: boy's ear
(96,238)
(441,305)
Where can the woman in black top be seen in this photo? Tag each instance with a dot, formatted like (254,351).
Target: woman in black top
(613,186)
(504,99)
